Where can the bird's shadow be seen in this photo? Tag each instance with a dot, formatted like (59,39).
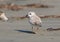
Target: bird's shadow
(25,31)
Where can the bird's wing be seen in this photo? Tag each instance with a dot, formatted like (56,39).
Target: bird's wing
(35,20)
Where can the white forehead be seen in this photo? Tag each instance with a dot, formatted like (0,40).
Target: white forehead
(32,13)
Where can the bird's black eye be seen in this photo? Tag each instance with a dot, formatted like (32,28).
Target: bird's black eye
(30,13)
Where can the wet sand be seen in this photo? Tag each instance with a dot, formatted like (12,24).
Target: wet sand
(20,31)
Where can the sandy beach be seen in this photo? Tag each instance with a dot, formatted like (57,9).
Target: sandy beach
(19,30)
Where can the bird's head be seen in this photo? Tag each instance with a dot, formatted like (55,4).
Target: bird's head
(30,14)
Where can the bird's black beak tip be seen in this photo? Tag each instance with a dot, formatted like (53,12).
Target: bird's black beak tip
(26,16)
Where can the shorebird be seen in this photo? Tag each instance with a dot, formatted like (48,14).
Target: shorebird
(35,21)
(3,16)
